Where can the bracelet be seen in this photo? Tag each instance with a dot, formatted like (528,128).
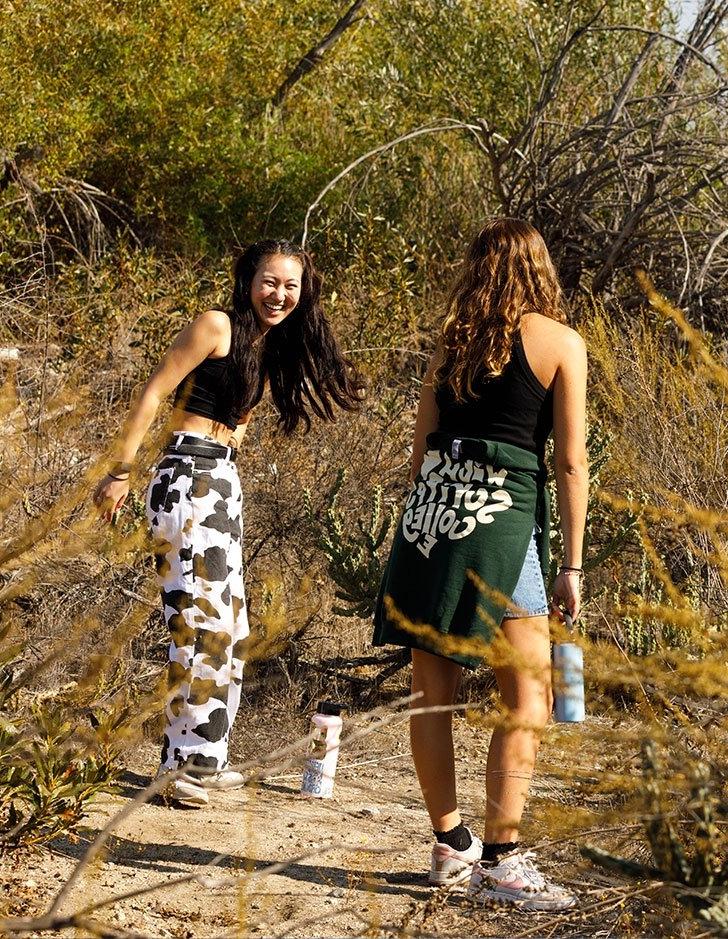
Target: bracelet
(565,569)
(119,479)
(120,468)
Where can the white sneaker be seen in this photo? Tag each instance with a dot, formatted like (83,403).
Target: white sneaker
(515,880)
(184,789)
(454,867)
(224,779)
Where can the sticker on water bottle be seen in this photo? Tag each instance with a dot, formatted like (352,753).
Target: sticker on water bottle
(315,781)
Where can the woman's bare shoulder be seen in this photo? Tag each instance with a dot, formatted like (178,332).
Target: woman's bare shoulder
(215,325)
(214,319)
(552,331)
(551,347)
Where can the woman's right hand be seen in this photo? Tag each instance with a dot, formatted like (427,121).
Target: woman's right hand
(110,496)
(566,594)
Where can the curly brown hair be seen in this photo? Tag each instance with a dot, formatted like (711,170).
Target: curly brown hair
(508,272)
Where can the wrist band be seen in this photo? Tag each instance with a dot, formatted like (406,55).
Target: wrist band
(120,468)
(119,479)
(571,570)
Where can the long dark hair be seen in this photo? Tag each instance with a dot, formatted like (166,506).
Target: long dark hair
(300,357)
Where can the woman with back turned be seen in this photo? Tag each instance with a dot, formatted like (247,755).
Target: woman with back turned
(275,334)
(466,564)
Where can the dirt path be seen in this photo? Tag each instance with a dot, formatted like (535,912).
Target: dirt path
(342,891)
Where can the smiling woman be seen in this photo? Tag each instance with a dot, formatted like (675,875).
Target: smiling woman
(276,289)
(275,334)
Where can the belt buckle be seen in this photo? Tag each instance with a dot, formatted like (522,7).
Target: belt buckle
(456,448)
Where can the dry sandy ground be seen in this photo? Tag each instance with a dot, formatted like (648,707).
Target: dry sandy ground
(343,890)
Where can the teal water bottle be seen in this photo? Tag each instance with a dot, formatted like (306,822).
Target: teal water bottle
(568,666)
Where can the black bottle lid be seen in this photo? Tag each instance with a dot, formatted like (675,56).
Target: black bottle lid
(329,707)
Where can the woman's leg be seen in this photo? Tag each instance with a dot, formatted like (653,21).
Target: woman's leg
(195,519)
(169,510)
(431,736)
(238,612)
(506,874)
(219,612)
(525,689)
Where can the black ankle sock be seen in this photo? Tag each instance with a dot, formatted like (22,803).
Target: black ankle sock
(493,852)
(458,838)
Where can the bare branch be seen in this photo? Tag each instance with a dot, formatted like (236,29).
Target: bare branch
(551,82)
(709,257)
(314,55)
(410,135)
(656,32)
(64,921)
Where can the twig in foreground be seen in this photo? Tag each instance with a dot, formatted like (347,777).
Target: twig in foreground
(381,717)
(59,922)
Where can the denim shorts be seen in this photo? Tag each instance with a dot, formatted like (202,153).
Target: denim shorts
(529,597)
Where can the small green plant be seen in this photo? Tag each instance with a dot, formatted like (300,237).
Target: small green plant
(689,848)
(50,768)
(644,632)
(353,548)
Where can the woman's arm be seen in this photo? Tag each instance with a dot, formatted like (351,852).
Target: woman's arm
(207,335)
(570,464)
(428,415)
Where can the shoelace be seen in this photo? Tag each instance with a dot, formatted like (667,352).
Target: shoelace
(521,865)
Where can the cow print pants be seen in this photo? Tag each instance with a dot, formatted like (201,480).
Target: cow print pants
(194,507)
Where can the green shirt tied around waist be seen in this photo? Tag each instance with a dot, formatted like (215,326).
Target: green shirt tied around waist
(460,546)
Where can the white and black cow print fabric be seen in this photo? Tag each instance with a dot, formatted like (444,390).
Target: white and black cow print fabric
(194,507)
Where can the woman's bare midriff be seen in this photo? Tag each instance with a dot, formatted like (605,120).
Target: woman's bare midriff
(196,424)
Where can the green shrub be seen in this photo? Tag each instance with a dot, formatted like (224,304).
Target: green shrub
(52,767)
(687,844)
(353,548)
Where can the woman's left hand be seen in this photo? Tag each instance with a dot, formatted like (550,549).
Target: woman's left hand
(110,496)
(566,594)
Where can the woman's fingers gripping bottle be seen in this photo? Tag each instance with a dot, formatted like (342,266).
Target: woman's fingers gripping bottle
(568,663)
(320,768)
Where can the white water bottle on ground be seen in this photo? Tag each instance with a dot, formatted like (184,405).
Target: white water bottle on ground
(323,753)
(568,663)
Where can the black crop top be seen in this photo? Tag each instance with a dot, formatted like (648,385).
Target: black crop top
(513,408)
(200,392)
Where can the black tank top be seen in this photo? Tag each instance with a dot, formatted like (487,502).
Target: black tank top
(200,392)
(513,408)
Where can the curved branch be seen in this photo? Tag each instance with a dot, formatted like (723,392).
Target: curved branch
(709,257)
(410,135)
